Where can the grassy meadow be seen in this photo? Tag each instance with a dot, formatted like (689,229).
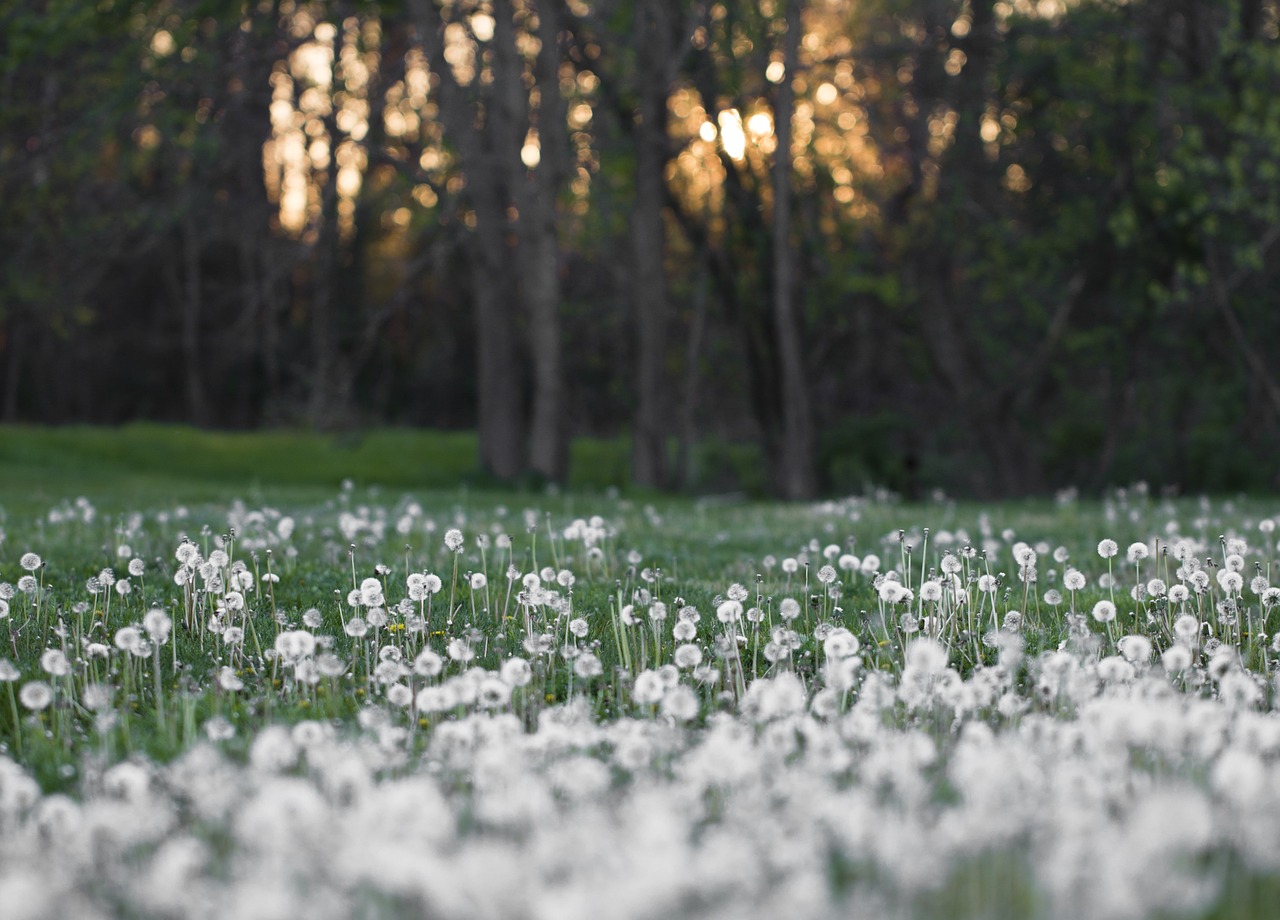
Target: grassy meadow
(286,674)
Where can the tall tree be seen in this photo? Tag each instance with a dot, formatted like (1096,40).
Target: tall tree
(540,186)
(484,121)
(660,36)
(795,473)
(751,245)
(643,46)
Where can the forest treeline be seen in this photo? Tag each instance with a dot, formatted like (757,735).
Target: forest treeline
(999,247)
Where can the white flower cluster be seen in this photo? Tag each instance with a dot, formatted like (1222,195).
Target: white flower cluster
(788,807)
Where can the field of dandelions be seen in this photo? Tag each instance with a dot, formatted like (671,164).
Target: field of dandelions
(586,706)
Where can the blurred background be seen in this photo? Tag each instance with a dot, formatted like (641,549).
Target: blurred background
(995,247)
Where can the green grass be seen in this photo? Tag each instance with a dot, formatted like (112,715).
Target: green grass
(139,477)
(145,463)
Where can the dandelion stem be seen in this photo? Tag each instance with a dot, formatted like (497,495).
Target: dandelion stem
(159,690)
(17,722)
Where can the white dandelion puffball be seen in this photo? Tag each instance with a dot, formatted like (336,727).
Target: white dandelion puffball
(36,695)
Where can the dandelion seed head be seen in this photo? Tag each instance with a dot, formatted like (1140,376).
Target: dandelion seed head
(1137,552)
(1231,582)
(273,750)
(687,656)
(1186,628)
(460,650)
(648,688)
(774,698)
(1115,670)
(36,695)
(330,665)
(128,638)
(1238,690)
(775,651)
(293,645)
(840,643)
(1104,611)
(128,781)
(187,554)
(157,624)
(679,703)
(516,672)
(1176,658)
(587,666)
(399,695)
(493,693)
(729,611)
(371,593)
(1135,648)
(54,663)
(1222,660)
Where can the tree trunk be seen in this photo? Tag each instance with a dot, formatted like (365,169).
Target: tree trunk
(501,396)
(689,396)
(251,56)
(193,382)
(539,250)
(322,288)
(500,409)
(648,244)
(486,126)
(795,473)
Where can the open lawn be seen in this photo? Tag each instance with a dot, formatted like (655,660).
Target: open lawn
(282,675)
